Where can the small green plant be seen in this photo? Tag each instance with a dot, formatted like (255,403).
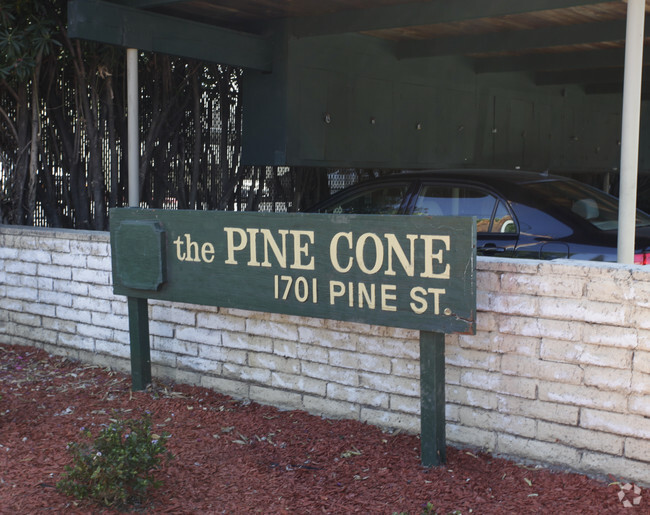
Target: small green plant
(116,469)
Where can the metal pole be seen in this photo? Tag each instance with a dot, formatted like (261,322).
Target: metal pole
(630,130)
(133,129)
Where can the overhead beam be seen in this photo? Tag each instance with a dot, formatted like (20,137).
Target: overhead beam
(611,58)
(138,4)
(420,13)
(107,22)
(513,40)
(595,76)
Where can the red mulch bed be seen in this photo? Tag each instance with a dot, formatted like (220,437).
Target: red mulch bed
(240,457)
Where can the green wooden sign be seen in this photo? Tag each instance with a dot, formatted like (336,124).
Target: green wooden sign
(413,272)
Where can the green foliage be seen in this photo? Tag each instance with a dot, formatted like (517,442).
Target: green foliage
(27,32)
(116,469)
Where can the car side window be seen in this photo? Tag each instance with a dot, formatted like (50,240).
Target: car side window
(450,200)
(380,200)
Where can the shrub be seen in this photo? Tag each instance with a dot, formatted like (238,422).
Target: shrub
(116,469)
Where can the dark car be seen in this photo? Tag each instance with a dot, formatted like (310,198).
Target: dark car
(518,214)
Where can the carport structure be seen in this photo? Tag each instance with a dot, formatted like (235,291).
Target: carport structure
(401,83)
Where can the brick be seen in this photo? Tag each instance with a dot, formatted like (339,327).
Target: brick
(536,327)
(275,397)
(470,397)
(220,321)
(525,305)
(94,331)
(246,373)
(63,273)
(389,347)
(543,285)
(274,363)
(98,263)
(608,378)
(616,466)
(73,314)
(330,408)
(91,304)
(471,436)
(326,338)
(71,287)
(642,362)
(285,348)
(390,420)
(162,359)
(198,364)
(197,335)
(639,405)
(65,259)
(112,349)
(298,383)
(157,328)
(499,422)
(640,318)
(22,293)
(580,438)
(546,452)
(637,449)
(312,353)
(405,368)
(499,383)
(487,281)
(616,423)
(582,353)
(56,298)
(329,373)
(20,267)
(171,314)
(360,362)
(534,368)
(611,289)
(389,383)
(411,405)
(272,329)
(237,389)
(610,336)
(247,342)
(582,396)
(172,345)
(640,382)
(84,275)
(583,310)
(468,358)
(57,324)
(643,339)
(110,320)
(376,399)
(560,413)
(89,248)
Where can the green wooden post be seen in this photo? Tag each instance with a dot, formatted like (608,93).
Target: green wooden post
(432,399)
(139,337)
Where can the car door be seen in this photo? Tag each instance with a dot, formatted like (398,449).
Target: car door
(496,227)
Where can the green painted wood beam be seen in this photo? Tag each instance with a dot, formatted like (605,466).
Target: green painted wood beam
(513,41)
(138,4)
(595,76)
(107,22)
(611,58)
(420,13)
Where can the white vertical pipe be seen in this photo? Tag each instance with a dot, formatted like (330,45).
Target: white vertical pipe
(132,124)
(630,130)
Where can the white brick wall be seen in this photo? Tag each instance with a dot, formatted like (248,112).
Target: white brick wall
(559,370)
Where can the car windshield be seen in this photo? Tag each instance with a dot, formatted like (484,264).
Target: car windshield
(588,203)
